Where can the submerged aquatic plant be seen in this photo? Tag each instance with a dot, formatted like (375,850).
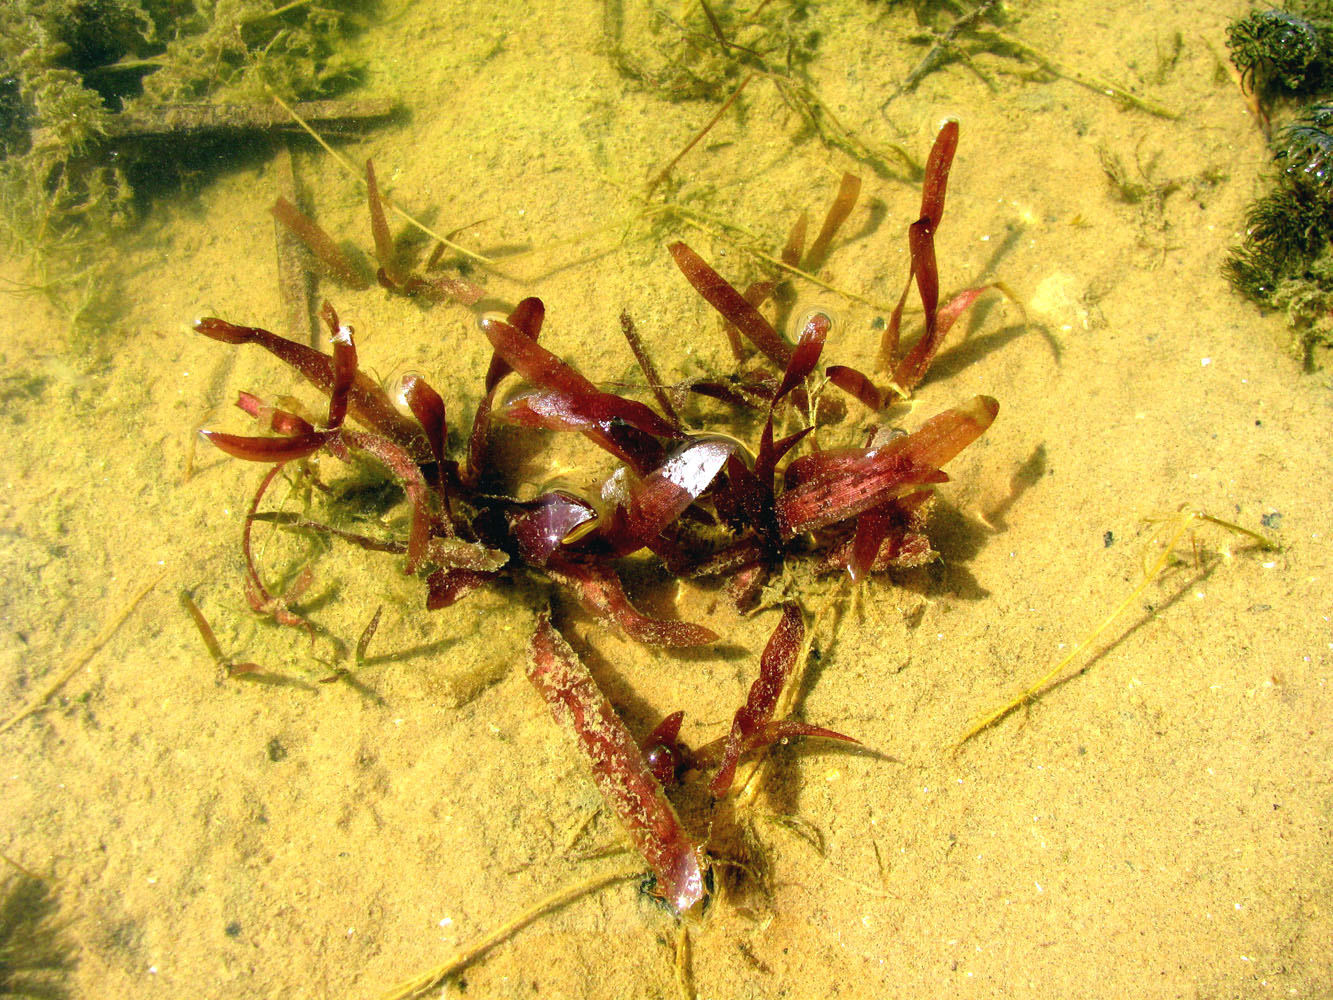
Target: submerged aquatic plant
(1284,262)
(85,91)
(1285,53)
(1282,49)
(699,501)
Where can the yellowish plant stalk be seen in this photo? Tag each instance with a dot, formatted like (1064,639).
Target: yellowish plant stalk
(1182,523)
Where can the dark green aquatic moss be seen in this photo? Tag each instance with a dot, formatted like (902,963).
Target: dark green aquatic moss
(72,72)
(1277,48)
(1285,230)
(1307,145)
(1307,299)
(1284,262)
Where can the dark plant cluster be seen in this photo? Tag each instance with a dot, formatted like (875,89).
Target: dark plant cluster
(1286,56)
(74,74)
(1284,50)
(698,500)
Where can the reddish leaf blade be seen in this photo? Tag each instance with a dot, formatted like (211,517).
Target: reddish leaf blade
(946,434)
(230,333)
(938,165)
(456,553)
(324,248)
(733,306)
(548,521)
(271,418)
(791,253)
(428,407)
(557,410)
(959,304)
(527,319)
(764,737)
(872,528)
(645,362)
(774,667)
(848,191)
(912,369)
(732,391)
(771,452)
(477,441)
(448,586)
(599,590)
(806,355)
(900,549)
(618,767)
(543,369)
(868,481)
(833,486)
(408,475)
(921,243)
(665,755)
(666,731)
(344,367)
(269,449)
(532,361)
(856,384)
(746,500)
(888,343)
(666,492)
(379,229)
(366,400)
(774,732)
(457,289)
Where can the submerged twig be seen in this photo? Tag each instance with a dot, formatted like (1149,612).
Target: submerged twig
(662,174)
(192,119)
(425,983)
(294,112)
(945,44)
(295,282)
(1101,86)
(1184,520)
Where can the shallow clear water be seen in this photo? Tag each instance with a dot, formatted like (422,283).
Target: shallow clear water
(1155,826)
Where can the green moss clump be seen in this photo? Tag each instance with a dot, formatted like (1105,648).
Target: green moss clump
(1285,263)
(72,70)
(1307,300)
(1285,231)
(1280,49)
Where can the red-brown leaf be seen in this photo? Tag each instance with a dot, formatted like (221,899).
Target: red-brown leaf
(618,766)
